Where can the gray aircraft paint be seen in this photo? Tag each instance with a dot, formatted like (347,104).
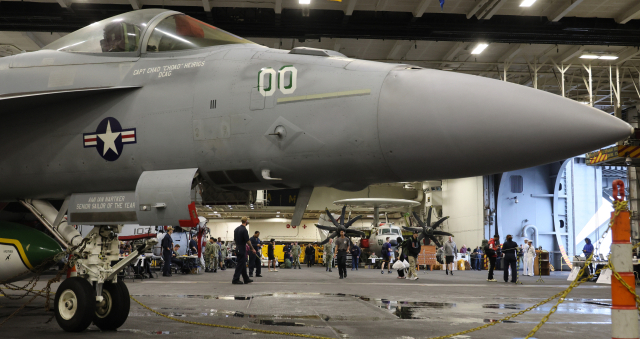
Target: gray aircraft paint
(352,122)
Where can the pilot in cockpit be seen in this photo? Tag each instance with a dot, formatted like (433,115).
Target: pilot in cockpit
(120,37)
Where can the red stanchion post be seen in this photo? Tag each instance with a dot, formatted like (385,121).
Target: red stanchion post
(624,312)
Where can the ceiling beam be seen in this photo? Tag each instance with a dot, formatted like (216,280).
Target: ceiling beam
(421,8)
(494,10)
(351,5)
(476,8)
(136,4)
(567,56)
(35,39)
(564,10)
(626,55)
(396,49)
(337,45)
(511,53)
(206,4)
(457,47)
(64,3)
(628,14)
(278,7)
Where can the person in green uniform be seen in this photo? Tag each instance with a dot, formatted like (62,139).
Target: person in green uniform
(214,255)
(295,255)
(328,254)
(224,251)
(208,256)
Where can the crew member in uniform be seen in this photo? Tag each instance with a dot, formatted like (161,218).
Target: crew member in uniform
(167,246)
(328,254)
(214,255)
(254,258)
(208,256)
(342,248)
(509,249)
(295,255)
(241,237)
(224,253)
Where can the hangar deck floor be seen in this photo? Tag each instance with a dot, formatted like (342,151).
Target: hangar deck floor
(365,305)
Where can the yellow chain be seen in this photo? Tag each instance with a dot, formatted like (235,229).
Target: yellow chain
(229,327)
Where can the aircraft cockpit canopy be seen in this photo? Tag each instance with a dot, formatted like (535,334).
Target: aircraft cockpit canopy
(124,33)
(384,231)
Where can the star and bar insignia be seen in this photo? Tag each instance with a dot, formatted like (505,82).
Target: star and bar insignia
(109,138)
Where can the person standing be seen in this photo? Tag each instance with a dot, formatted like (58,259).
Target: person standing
(491,250)
(342,248)
(530,257)
(208,256)
(386,255)
(254,258)
(509,249)
(295,255)
(271,254)
(310,255)
(287,252)
(450,251)
(355,256)
(588,251)
(241,238)
(193,247)
(413,247)
(214,255)
(167,247)
(328,255)
(224,252)
(525,246)
(479,261)
(403,250)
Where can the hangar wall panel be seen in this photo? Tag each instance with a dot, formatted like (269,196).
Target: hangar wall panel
(462,202)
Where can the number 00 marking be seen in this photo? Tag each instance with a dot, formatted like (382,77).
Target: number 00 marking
(265,84)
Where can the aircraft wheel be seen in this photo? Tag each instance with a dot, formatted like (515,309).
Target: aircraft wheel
(74,304)
(113,311)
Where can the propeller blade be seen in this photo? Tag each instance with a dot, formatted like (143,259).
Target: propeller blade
(443,233)
(352,221)
(420,237)
(415,215)
(327,228)
(344,209)
(439,222)
(412,229)
(435,241)
(428,222)
(333,235)
(333,220)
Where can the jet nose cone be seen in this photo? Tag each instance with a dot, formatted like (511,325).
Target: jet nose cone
(437,125)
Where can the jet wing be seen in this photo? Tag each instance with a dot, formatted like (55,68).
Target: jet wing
(12,101)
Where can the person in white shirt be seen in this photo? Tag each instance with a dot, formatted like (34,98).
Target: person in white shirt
(529,255)
(525,245)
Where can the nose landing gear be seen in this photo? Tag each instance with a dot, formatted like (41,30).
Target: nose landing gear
(74,304)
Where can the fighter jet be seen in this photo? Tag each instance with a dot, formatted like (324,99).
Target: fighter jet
(131,118)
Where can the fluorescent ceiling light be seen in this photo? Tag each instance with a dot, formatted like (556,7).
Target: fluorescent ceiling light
(585,102)
(479,48)
(304,2)
(527,3)
(589,56)
(608,57)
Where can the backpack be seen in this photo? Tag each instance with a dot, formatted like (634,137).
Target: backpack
(287,263)
(488,251)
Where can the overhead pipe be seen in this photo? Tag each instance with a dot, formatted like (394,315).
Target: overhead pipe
(535,230)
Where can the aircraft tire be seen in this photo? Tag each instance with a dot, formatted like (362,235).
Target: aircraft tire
(113,312)
(74,304)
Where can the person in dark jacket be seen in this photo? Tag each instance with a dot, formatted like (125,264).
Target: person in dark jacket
(401,255)
(588,251)
(310,255)
(510,249)
(242,240)
(355,256)
(413,247)
(167,247)
(255,258)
